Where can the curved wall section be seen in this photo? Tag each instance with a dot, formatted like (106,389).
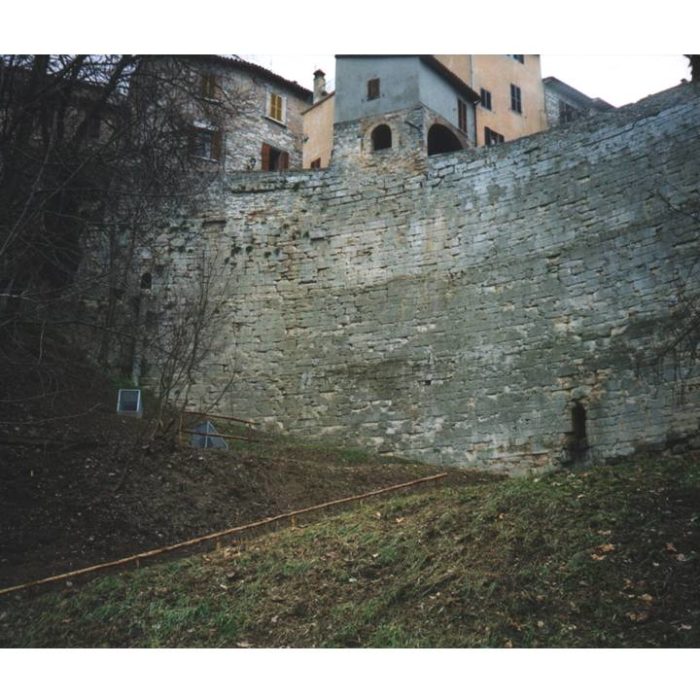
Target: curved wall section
(466,308)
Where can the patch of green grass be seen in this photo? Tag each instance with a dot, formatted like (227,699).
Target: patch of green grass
(604,557)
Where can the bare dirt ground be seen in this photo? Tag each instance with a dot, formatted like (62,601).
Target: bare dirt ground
(80,485)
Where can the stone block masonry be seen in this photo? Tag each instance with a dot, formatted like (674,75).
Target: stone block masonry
(503,307)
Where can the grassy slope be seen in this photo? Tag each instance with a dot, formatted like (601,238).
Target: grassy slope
(607,557)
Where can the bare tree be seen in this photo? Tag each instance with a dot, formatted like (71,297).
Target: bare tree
(681,332)
(180,329)
(95,153)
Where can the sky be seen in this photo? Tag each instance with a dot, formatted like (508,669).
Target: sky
(616,51)
(618,79)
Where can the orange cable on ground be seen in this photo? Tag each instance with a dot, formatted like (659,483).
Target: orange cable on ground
(227,437)
(214,415)
(216,535)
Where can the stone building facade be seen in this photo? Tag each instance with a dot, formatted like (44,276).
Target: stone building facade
(260,124)
(511,103)
(564,104)
(505,308)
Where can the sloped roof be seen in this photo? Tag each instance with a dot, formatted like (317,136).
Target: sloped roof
(254,69)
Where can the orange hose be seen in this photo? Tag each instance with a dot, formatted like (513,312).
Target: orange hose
(216,535)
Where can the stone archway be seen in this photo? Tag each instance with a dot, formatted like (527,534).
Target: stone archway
(381,137)
(442,139)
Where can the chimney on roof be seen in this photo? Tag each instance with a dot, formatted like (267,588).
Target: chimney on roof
(319,85)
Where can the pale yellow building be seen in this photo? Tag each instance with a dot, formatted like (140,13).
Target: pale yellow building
(512,102)
(512,94)
(318,126)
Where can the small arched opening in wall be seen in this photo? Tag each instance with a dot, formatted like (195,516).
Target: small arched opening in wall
(381,137)
(578,437)
(441,139)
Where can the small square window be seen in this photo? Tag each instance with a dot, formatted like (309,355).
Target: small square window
(273,158)
(485,99)
(373,89)
(519,57)
(516,100)
(567,113)
(206,143)
(316,164)
(492,137)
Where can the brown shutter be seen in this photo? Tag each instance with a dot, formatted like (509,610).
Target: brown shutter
(265,157)
(284,160)
(373,89)
(216,145)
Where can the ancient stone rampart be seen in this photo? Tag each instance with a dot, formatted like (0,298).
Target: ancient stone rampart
(503,307)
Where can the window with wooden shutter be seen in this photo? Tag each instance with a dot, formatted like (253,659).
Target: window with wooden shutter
(492,137)
(462,115)
(208,86)
(516,100)
(276,107)
(205,143)
(567,113)
(273,158)
(216,145)
(265,157)
(373,89)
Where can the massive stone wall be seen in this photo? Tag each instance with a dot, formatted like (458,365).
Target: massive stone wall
(458,308)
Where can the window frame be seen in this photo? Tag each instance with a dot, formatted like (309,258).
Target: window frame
(492,138)
(462,116)
(270,154)
(209,87)
(567,112)
(486,99)
(212,151)
(272,110)
(373,89)
(516,99)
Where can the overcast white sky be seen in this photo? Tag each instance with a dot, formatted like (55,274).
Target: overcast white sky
(620,52)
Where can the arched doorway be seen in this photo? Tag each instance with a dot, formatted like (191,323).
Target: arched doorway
(442,140)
